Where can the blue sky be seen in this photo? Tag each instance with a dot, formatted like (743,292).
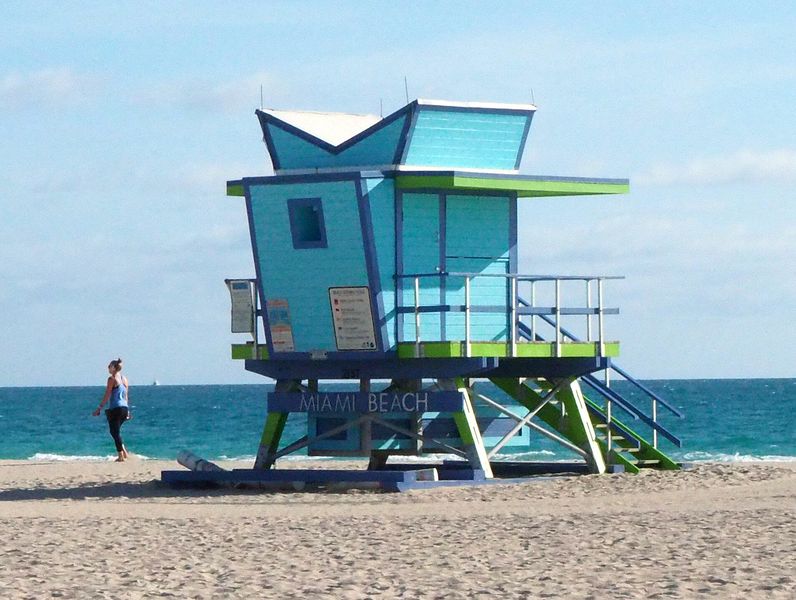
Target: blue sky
(121,123)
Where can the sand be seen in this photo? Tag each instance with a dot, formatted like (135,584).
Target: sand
(107,530)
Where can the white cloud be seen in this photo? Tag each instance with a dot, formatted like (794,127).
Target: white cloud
(775,166)
(45,87)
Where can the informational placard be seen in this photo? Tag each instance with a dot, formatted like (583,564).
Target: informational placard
(279,324)
(352,318)
(241,292)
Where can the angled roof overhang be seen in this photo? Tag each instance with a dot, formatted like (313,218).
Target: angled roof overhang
(525,186)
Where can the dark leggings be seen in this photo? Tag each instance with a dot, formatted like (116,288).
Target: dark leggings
(117,416)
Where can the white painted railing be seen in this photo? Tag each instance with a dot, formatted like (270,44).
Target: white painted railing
(550,288)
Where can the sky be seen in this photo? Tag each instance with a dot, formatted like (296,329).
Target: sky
(121,122)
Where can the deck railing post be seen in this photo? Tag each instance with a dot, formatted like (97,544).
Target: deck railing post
(558,317)
(601,328)
(588,305)
(513,322)
(467,316)
(608,434)
(533,305)
(600,319)
(417,316)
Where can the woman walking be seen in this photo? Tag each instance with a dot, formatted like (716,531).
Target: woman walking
(116,391)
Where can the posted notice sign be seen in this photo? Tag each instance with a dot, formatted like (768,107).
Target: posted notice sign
(242,293)
(279,324)
(352,318)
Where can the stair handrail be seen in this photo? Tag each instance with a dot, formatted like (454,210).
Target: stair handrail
(646,390)
(621,402)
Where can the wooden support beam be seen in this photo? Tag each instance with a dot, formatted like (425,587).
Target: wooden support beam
(579,425)
(273,428)
(470,434)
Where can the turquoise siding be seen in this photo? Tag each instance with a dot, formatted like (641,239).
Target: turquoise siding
(477,226)
(477,241)
(466,139)
(484,291)
(346,442)
(303,277)
(378,148)
(381,195)
(421,254)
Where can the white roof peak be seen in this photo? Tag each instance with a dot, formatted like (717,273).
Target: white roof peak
(331,127)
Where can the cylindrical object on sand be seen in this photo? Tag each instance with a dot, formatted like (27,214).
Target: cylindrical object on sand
(195,463)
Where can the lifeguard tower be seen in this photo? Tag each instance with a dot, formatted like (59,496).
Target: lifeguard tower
(385,252)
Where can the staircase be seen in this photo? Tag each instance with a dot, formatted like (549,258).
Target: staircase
(619,444)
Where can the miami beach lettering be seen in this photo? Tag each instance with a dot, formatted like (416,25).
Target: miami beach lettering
(408,402)
(381,402)
(364,402)
(327,403)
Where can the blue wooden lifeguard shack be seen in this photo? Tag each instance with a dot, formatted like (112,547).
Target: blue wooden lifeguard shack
(385,252)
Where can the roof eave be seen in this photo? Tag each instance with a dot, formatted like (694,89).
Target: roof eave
(524,186)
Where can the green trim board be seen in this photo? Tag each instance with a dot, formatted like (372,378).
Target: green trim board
(246,351)
(235,188)
(502,350)
(523,186)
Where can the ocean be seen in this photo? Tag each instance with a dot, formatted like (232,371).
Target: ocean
(725,420)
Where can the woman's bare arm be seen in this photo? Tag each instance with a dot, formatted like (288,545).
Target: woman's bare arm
(106,397)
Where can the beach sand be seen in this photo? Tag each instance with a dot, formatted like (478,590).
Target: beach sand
(107,530)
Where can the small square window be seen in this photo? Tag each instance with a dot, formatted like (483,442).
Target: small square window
(307,226)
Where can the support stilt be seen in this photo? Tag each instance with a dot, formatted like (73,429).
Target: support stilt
(579,425)
(470,434)
(274,426)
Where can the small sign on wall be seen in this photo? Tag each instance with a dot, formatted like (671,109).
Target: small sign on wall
(241,292)
(352,318)
(279,324)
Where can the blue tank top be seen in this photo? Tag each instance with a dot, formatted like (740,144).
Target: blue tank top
(118,397)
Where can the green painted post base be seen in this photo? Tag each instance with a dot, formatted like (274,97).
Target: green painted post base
(272,431)
(579,428)
(269,442)
(466,424)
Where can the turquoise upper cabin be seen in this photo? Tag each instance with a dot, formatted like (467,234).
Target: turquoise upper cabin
(379,239)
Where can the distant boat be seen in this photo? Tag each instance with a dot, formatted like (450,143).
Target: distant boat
(156,382)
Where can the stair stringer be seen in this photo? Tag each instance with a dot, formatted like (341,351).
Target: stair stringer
(646,450)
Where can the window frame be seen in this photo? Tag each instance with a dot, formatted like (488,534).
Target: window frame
(293,205)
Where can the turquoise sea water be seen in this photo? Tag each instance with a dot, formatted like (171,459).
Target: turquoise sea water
(725,420)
